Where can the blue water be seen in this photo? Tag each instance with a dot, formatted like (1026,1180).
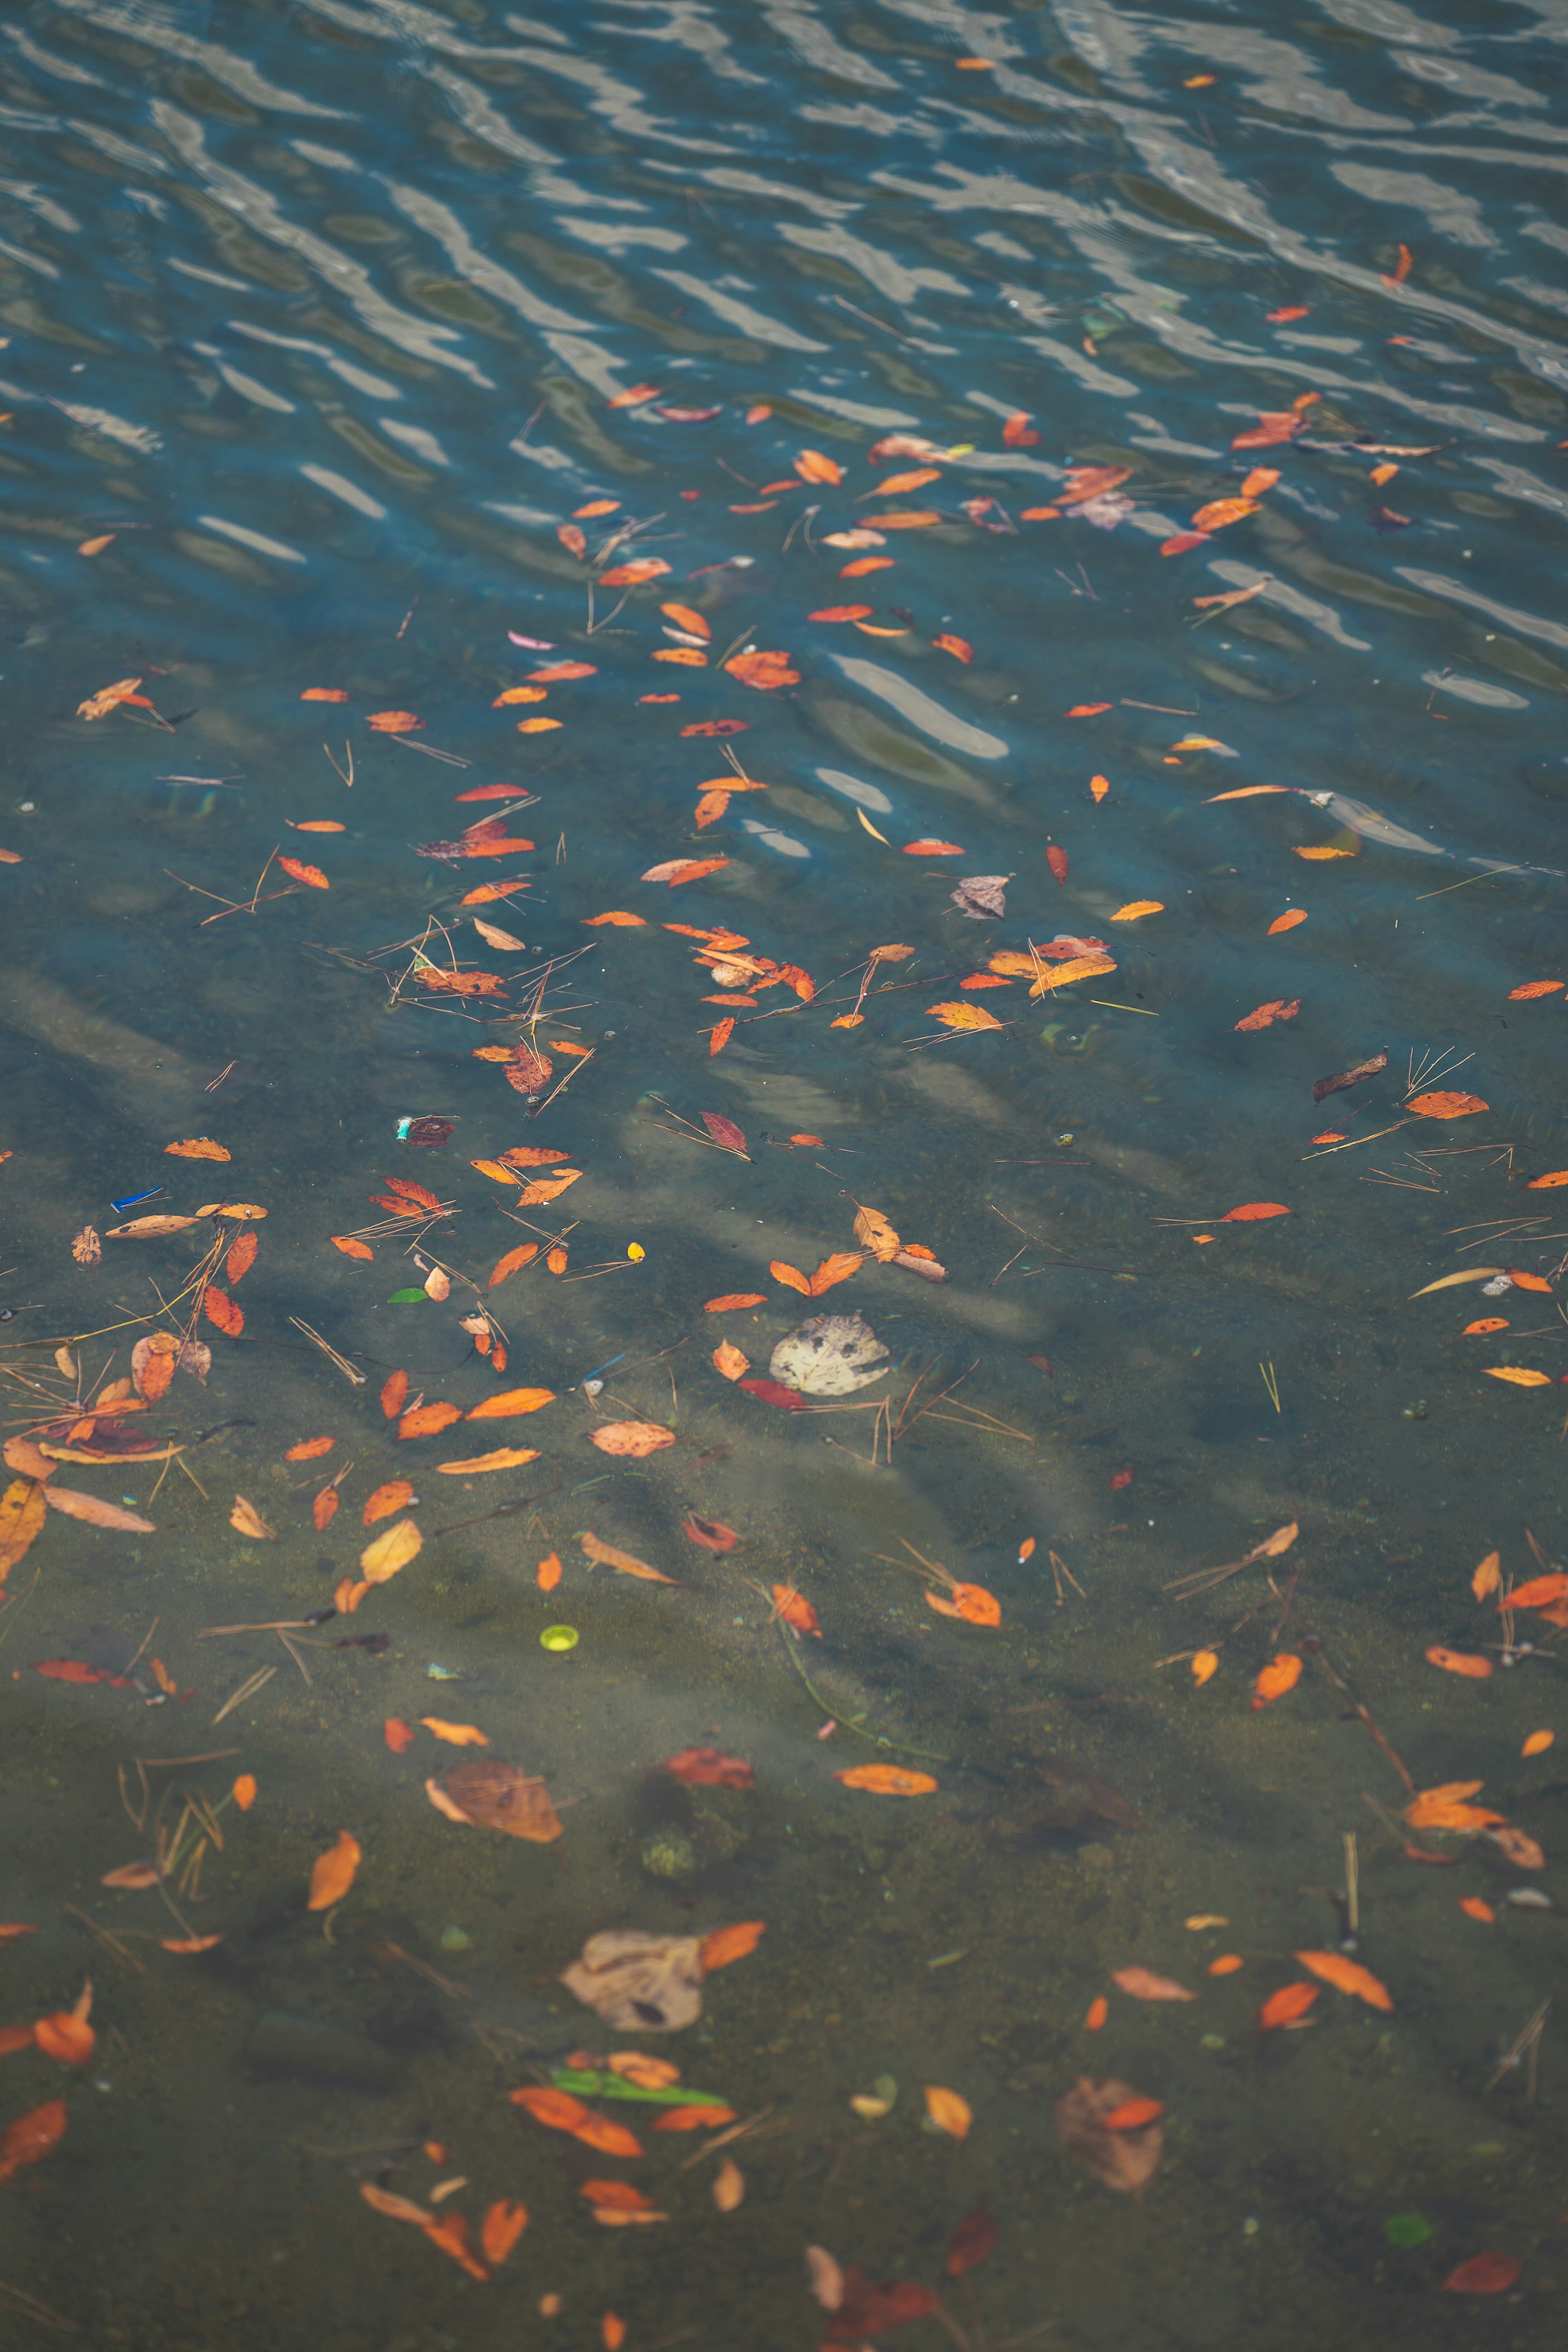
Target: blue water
(348,353)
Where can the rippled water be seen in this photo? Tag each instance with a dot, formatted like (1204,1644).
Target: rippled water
(322,324)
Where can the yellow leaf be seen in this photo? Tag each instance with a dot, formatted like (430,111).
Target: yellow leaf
(1205,1663)
(1318,853)
(197,1147)
(458,1735)
(948,2112)
(1063,975)
(380,1560)
(1538,1743)
(249,1521)
(1136,907)
(1519,1376)
(22,1514)
(506,1457)
(1466,1274)
(872,1229)
(964,1016)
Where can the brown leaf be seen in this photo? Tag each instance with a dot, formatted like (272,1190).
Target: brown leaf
(608,1556)
(633,1439)
(1342,1078)
(491,1795)
(1263,1016)
(86,1249)
(1122,2159)
(983,897)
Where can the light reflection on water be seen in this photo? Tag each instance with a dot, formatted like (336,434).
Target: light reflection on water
(316,321)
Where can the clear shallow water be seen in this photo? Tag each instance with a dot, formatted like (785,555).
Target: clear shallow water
(315,316)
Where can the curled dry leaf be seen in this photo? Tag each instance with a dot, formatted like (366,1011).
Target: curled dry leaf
(1124,2160)
(634,1440)
(86,1249)
(248,1520)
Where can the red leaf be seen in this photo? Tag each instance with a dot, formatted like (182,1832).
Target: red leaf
(774,1392)
(711,1534)
(1483,2273)
(866,2309)
(725,1131)
(1056,859)
(973,2242)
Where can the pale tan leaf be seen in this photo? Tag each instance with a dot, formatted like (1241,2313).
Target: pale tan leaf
(633,1439)
(380,1560)
(249,1521)
(95,1512)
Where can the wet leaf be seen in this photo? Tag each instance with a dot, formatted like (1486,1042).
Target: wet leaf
(1264,1016)
(608,1556)
(1519,1849)
(380,1560)
(958,1016)
(1136,907)
(632,1440)
(1346,1976)
(1521,1377)
(505,1457)
(493,1795)
(333,1874)
(729,2186)
(1459,1662)
(1123,2160)
(95,1511)
(726,1944)
(708,1767)
(456,1735)
(637,1982)
(969,1602)
(221,1311)
(1143,1985)
(22,1512)
(633,575)
(948,2111)
(1484,2274)
(730,1361)
(248,1519)
(1286,2007)
(510,1402)
(197,1147)
(31,2136)
(1282,1675)
(1445,1106)
(887,1780)
(711,1534)
(1540,1592)
(1538,1743)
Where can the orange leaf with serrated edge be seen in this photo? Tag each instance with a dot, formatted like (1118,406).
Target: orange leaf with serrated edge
(835,1269)
(1280,1675)
(324,1509)
(887,1780)
(333,1872)
(388,1499)
(197,1147)
(395,1388)
(221,1311)
(726,1944)
(631,1440)
(1540,1592)
(241,1258)
(310,876)
(1533,988)
(1263,1015)
(512,1262)
(324,694)
(734,1300)
(955,1015)
(309,1449)
(1287,2006)
(720,1036)
(790,1276)
(428,1419)
(1445,1106)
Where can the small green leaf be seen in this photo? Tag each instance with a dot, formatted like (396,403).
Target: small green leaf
(409,1298)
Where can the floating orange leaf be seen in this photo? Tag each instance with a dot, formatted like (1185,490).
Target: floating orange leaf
(451,2234)
(1520,1375)
(1142,1984)
(1132,2115)
(333,1872)
(1445,1106)
(1346,1976)
(886,1780)
(969,1602)
(475,1465)
(1221,511)
(766,671)
(798,1614)
(244,1791)
(197,1147)
(1205,1663)
(502,2226)
(1474,1908)
(1136,907)
(350,1246)
(1099,2009)
(955,1015)
(632,575)
(812,467)
(393,722)
(1252,1212)
(1227,1964)
(221,1311)
(1538,1743)
(249,1521)
(627,1562)
(1459,1662)
(1263,1015)
(709,1767)
(509,1402)
(1281,1675)
(732,1300)
(1286,922)
(398,1735)
(948,2112)
(31,2136)
(311,877)
(726,1944)
(428,1419)
(634,1440)
(1287,2006)
(388,1499)
(456,1735)
(1539,1594)
(1488,1322)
